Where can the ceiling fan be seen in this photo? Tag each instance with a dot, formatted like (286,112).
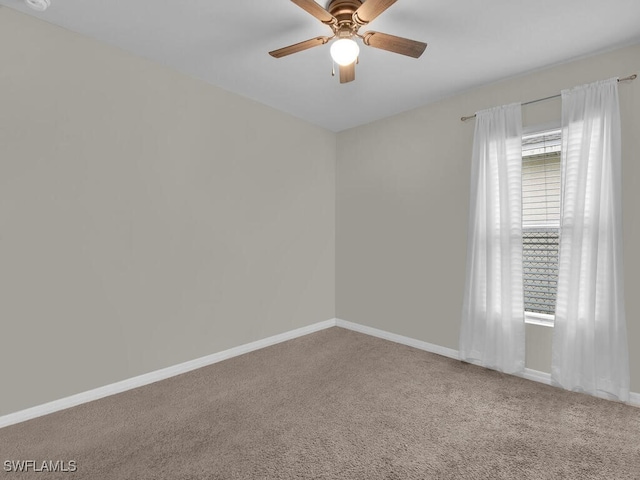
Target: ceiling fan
(345,18)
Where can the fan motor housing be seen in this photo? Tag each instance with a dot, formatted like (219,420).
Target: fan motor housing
(343,10)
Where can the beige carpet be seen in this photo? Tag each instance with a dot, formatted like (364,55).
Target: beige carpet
(336,405)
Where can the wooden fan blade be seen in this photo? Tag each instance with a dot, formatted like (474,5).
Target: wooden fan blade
(370,9)
(298,47)
(391,43)
(316,10)
(348,73)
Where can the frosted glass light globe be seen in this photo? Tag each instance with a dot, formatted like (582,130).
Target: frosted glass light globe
(344,51)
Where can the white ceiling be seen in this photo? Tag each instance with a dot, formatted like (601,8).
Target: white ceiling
(471,43)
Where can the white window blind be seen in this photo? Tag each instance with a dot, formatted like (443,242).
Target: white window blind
(541,220)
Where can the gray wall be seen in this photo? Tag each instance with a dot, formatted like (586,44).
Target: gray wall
(403,199)
(146,218)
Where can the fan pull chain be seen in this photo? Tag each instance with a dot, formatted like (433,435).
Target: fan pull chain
(333,68)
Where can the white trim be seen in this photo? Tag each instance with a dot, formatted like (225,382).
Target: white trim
(536,376)
(544,377)
(539,319)
(374,332)
(151,377)
(529,374)
(155,376)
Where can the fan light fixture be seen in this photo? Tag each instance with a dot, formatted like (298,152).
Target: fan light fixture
(345,51)
(345,18)
(39,5)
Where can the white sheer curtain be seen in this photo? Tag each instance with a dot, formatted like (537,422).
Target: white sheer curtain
(492,329)
(589,338)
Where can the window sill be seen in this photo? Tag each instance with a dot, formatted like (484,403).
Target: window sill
(539,319)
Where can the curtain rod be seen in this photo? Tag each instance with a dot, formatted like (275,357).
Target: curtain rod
(630,77)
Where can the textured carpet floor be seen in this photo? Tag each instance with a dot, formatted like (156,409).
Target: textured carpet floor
(336,405)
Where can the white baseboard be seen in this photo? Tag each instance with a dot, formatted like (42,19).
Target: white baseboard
(151,377)
(374,332)
(529,374)
(157,375)
(536,376)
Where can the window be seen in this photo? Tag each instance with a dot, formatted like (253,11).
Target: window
(540,223)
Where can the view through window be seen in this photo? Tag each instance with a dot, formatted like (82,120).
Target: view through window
(541,178)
